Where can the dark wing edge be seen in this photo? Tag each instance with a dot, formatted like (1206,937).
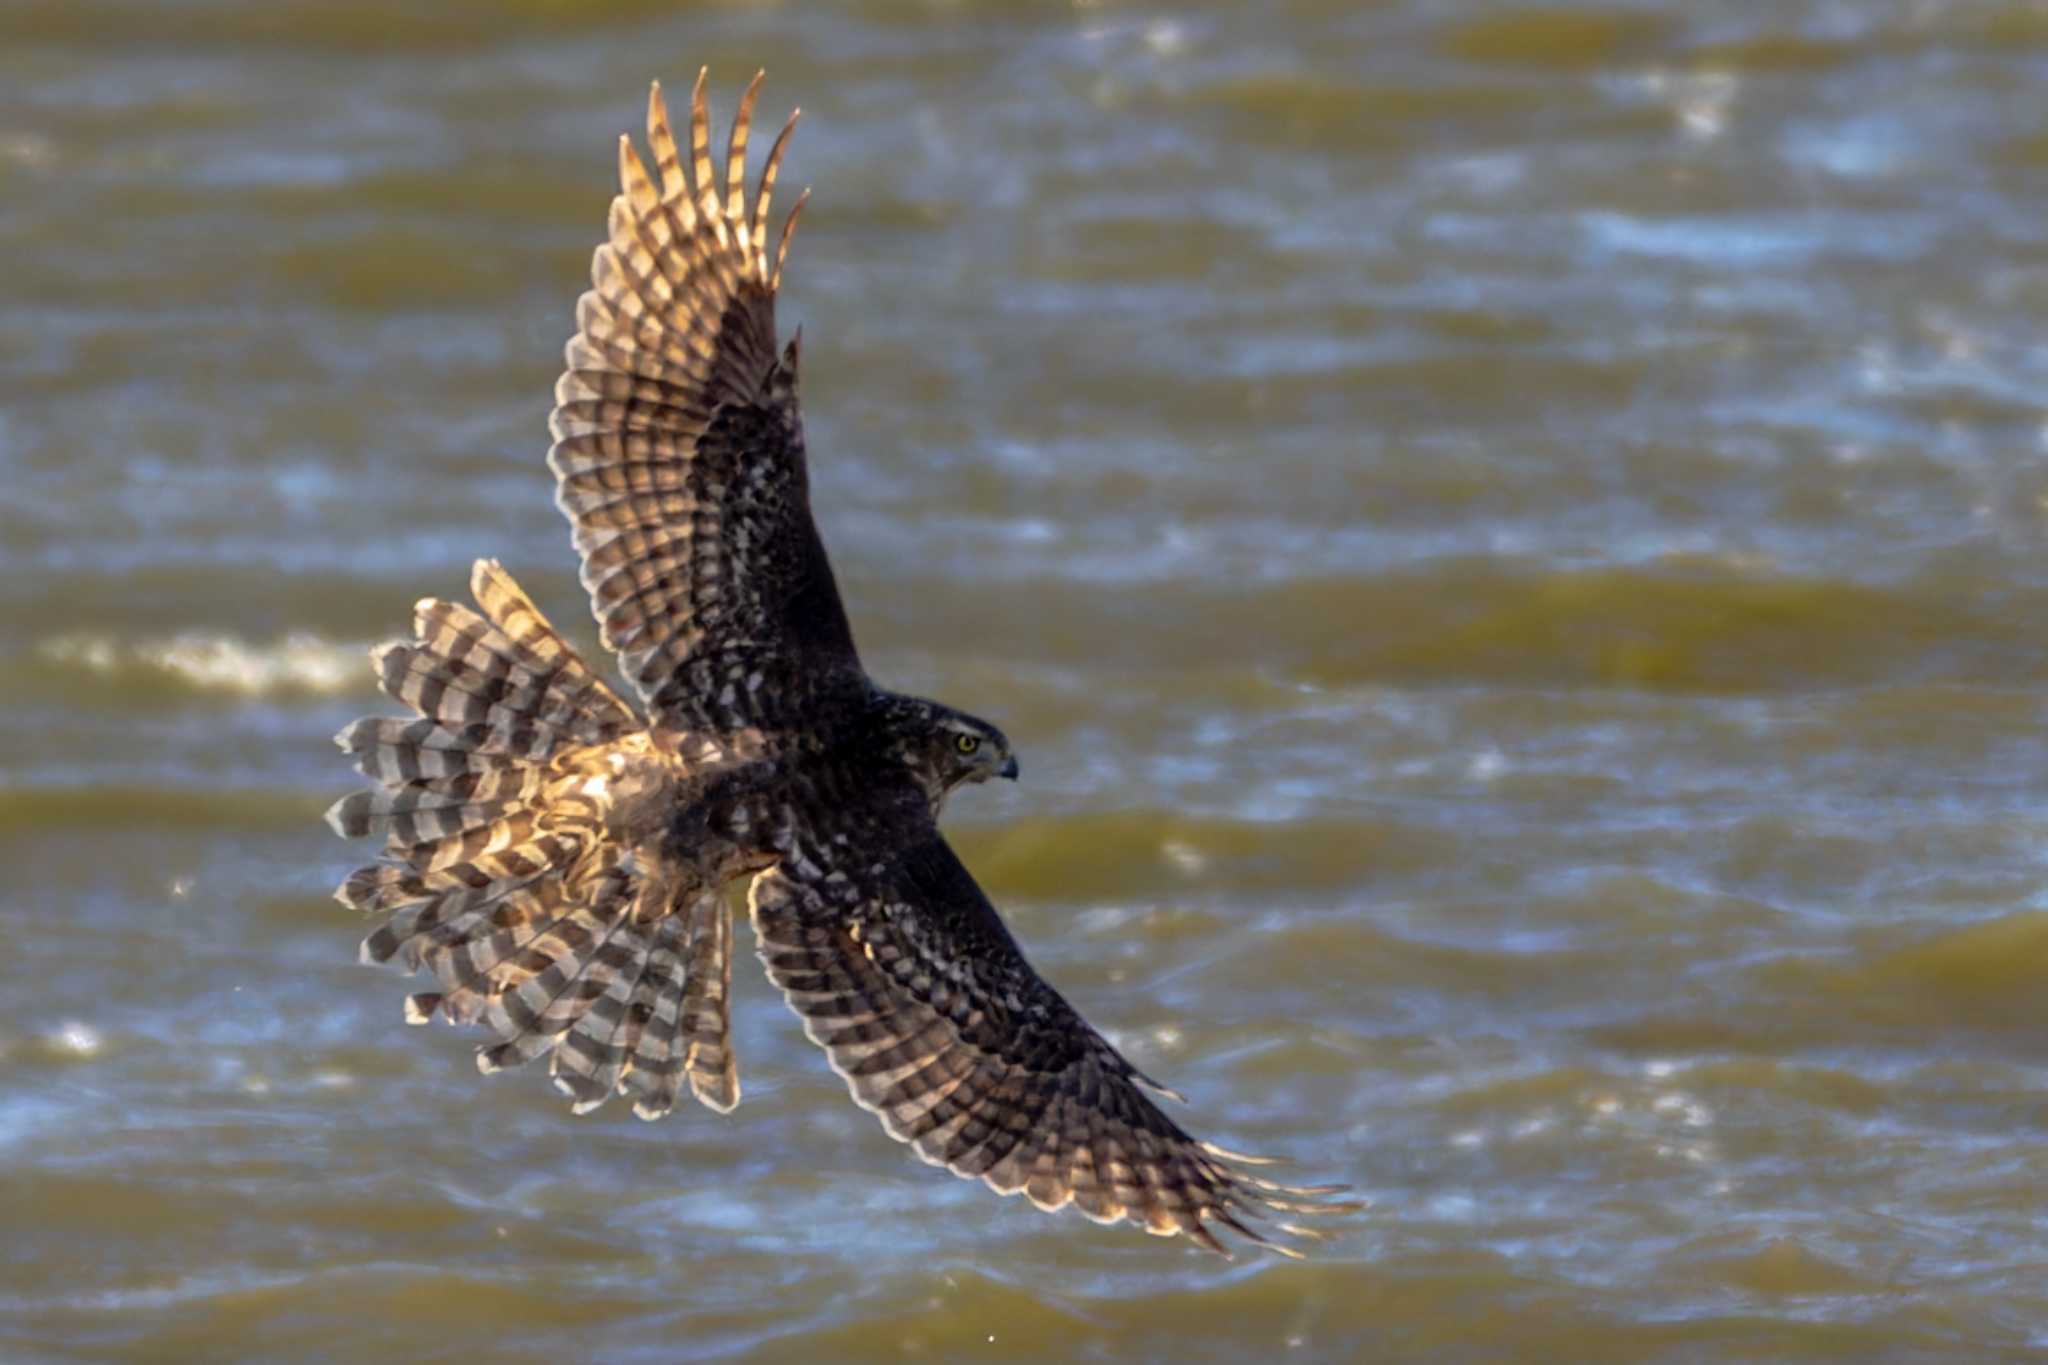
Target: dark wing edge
(678,446)
(905,974)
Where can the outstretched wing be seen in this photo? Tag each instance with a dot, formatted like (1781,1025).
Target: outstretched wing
(904,973)
(678,448)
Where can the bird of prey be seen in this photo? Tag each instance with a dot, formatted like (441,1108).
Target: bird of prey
(556,854)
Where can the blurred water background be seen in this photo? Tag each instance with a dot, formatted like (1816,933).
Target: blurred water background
(1509,538)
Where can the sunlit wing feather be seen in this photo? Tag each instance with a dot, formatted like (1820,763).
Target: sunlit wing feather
(678,446)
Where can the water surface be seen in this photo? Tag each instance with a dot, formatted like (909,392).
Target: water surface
(1510,541)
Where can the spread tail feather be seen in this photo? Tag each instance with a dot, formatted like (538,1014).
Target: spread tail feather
(509,809)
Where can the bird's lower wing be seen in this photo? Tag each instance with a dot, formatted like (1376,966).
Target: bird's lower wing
(904,973)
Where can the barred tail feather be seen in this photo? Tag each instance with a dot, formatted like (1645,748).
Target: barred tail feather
(707,1005)
(657,1054)
(590,1060)
(507,872)
(543,990)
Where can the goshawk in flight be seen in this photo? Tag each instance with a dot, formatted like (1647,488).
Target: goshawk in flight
(556,854)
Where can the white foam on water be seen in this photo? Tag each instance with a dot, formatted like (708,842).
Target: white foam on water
(300,662)
(75,1038)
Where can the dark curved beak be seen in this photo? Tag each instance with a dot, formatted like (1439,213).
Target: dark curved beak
(1009,768)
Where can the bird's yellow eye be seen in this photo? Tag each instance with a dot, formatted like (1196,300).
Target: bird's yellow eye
(966,744)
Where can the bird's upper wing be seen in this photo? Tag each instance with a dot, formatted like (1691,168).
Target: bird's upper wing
(904,973)
(678,448)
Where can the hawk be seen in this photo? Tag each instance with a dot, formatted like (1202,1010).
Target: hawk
(556,854)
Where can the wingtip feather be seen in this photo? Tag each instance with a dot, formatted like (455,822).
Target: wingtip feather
(736,163)
(788,232)
(700,141)
(1222,1153)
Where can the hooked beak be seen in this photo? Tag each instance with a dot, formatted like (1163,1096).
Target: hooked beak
(1009,768)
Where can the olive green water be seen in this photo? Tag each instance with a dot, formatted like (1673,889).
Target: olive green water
(1513,543)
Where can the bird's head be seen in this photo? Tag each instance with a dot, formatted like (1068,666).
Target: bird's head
(944,748)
